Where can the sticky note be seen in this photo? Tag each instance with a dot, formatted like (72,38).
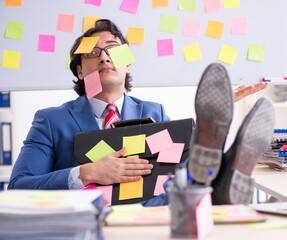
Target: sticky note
(14,30)
(187,5)
(134,144)
(211,5)
(256,52)
(159,3)
(94,2)
(214,29)
(172,154)
(107,193)
(100,150)
(130,6)
(159,141)
(165,47)
(168,23)
(231,3)
(161,179)
(66,23)
(135,35)
(239,25)
(93,84)
(46,43)
(121,56)
(192,52)
(130,190)
(89,22)
(191,27)
(13,3)
(228,54)
(87,45)
(10,59)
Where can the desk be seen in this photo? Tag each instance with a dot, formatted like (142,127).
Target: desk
(271,181)
(5,172)
(220,232)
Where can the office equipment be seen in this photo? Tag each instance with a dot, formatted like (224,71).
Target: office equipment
(5,99)
(170,70)
(55,214)
(6,143)
(174,135)
(277,208)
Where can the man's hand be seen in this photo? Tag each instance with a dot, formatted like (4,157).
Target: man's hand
(114,169)
(246,90)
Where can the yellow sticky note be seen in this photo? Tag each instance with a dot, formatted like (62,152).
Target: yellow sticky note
(214,29)
(100,150)
(187,5)
(168,23)
(14,30)
(228,54)
(87,45)
(135,35)
(192,52)
(121,56)
(89,22)
(10,59)
(134,144)
(256,52)
(159,3)
(231,4)
(130,190)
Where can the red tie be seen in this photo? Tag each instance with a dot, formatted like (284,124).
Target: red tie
(111,116)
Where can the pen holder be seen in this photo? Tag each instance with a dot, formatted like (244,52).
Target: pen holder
(191,211)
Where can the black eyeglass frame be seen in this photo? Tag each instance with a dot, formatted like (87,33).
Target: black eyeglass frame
(94,54)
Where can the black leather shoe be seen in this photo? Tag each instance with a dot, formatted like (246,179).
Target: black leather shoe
(214,111)
(234,184)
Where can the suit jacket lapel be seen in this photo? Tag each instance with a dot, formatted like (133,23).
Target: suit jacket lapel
(83,114)
(131,109)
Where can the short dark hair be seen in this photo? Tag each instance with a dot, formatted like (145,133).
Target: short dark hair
(101,25)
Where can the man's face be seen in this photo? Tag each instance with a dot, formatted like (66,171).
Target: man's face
(109,75)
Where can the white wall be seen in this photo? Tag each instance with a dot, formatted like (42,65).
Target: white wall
(25,103)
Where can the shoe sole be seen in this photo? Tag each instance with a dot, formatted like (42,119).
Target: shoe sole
(214,111)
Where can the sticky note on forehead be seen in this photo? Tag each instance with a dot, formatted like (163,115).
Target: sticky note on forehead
(87,45)
(121,56)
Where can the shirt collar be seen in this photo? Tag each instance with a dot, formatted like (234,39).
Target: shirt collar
(99,106)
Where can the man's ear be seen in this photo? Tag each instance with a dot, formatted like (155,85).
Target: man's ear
(80,73)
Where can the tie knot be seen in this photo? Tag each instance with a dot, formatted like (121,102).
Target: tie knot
(112,116)
(111,107)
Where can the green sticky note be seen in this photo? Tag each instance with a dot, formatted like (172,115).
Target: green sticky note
(168,23)
(11,59)
(121,56)
(14,30)
(134,144)
(100,150)
(256,52)
(187,5)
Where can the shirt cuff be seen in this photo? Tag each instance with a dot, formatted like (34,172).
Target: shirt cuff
(73,181)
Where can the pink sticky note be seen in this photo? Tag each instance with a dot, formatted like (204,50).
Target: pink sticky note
(165,47)
(159,141)
(211,5)
(172,154)
(239,25)
(93,84)
(191,28)
(66,22)
(46,43)
(159,185)
(94,2)
(91,186)
(130,6)
(204,219)
(107,193)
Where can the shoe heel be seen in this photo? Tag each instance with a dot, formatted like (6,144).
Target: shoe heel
(203,159)
(241,189)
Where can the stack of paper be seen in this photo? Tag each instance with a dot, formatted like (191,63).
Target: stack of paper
(49,215)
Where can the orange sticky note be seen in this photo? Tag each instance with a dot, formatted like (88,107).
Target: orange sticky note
(89,22)
(214,29)
(159,3)
(130,190)
(87,45)
(135,35)
(13,3)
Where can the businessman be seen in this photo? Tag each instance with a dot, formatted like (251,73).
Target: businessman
(47,156)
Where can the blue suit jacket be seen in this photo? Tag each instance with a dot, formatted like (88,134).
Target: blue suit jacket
(47,155)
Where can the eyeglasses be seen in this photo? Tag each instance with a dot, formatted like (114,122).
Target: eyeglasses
(97,51)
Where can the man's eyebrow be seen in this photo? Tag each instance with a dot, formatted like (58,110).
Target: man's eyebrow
(112,41)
